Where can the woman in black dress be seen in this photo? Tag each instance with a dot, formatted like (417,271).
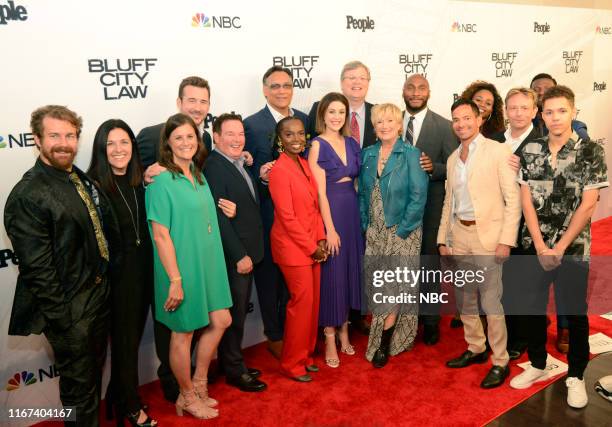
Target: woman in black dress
(116,167)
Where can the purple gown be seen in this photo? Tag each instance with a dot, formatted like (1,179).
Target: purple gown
(341,274)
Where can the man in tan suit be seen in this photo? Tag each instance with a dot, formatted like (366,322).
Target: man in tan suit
(479,225)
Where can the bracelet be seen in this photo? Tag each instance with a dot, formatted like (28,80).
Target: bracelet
(176,279)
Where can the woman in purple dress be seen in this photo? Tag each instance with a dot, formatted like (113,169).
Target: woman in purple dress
(334,160)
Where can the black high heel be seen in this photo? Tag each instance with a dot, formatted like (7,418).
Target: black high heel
(133,419)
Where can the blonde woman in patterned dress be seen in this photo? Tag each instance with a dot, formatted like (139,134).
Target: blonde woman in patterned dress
(392,196)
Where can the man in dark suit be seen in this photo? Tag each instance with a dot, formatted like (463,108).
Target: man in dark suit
(194,101)
(521,109)
(354,83)
(242,238)
(60,226)
(260,142)
(432,134)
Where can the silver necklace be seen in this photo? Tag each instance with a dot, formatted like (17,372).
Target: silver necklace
(136,223)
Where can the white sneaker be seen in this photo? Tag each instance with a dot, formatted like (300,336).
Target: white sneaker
(528,378)
(576,393)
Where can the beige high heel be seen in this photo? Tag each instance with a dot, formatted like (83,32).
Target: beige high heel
(189,402)
(332,363)
(201,388)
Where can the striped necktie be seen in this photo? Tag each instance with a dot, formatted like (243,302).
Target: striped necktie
(410,131)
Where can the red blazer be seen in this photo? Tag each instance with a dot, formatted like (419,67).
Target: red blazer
(298,225)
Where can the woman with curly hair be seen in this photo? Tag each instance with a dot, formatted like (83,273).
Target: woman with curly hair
(490,104)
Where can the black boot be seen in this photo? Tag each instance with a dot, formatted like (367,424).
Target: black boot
(382,354)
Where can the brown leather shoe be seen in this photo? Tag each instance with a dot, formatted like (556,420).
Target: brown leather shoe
(563,340)
(276,348)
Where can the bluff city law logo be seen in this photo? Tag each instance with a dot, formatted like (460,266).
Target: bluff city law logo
(21,140)
(572,59)
(10,12)
(415,63)
(541,28)
(503,63)
(300,66)
(603,30)
(362,24)
(458,27)
(122,78)
(599,87)
(20,380)
(201,20)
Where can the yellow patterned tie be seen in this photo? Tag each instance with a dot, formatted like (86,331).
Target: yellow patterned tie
(93,214)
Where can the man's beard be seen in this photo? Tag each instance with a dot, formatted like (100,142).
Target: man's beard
(412,109)
(64,163)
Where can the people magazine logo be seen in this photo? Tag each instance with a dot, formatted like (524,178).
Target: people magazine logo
(459,27)
(360,23)
(11,12)
(20,380)
(225,22)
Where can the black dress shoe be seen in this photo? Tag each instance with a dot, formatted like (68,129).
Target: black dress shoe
(496,376)
(312,368)
(303,378)
(255,373)
(466,359)
(246,382)
(431,334)
(456,323)
(515,351)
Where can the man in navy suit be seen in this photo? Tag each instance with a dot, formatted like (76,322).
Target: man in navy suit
(354,83)
(261,143)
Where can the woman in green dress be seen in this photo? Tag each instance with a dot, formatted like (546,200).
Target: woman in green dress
(191,286)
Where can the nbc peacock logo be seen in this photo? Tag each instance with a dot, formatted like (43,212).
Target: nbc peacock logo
(25,378)
(2,143)
(455,27)
(200,20)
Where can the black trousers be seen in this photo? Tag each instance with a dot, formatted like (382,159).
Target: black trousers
(80,352)
(513,274)
(130,304)
(570,281)
(272,292)
(431,261)
(230,347)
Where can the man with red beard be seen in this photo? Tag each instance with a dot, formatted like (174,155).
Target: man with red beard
(58,223)
(433,136)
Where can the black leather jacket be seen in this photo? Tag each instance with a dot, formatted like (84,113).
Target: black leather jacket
(53,238)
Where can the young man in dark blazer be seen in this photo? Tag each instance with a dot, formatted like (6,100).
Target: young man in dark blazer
(354,83)
(433,136)
(242,238)
(521,108)
(260,142)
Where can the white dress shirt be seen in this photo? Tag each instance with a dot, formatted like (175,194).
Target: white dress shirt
(278,116)
(417,124)
(462,200)
(360,116)
(515,142)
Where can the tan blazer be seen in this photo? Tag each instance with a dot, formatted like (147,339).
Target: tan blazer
(494,192)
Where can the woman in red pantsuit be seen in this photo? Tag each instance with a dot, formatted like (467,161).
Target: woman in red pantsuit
(298,246)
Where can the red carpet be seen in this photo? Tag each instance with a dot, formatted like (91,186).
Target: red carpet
(415,388)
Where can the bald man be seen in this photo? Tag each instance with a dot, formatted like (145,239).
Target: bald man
(433,136)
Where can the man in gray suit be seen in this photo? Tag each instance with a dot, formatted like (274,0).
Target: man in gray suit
(433,135)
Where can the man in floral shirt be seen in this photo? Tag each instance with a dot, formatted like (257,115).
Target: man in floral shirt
(561,175)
